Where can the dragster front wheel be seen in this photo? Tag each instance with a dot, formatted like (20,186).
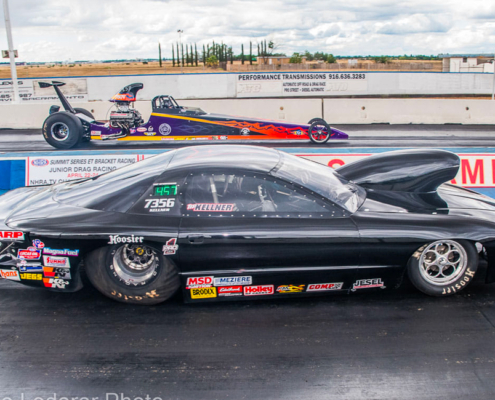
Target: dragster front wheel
(319,132)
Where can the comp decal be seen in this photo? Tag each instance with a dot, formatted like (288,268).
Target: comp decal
(291,288)
(368,283)
(11,235)
(10,275)
(52,261)
(204,293)
(233,280)
(31,253)
(199,282)
(210,207)
(258,290)
(321,287)
(170,247)
(60,252)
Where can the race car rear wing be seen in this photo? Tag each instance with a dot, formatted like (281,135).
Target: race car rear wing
(63,100)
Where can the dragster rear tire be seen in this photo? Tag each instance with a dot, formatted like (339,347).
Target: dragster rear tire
(63,130)
(84,111)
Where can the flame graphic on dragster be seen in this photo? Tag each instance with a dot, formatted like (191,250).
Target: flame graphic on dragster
(169,121)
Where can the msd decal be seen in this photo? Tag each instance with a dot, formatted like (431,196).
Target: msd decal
(233,280)
(258,290)
(210,207)
(31,253)
(368,283)
(320,287)
(230,291)
(170,247)
(199,282)
(10,275)
(51,261)
(11,235)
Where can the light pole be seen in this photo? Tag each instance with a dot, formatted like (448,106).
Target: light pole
(13,71)
(493,84)
(180,31)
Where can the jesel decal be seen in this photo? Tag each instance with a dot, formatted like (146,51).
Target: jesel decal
(368,283)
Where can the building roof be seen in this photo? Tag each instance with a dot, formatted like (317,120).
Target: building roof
(466,55)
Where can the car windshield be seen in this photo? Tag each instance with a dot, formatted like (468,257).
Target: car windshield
(116,190)
(322,180)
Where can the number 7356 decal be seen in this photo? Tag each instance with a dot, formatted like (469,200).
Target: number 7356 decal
(159,204)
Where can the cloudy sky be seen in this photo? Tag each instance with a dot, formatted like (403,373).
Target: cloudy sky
(58,30)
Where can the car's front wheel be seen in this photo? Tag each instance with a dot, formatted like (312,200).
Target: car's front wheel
(133,273)
(443,267)
(319,131)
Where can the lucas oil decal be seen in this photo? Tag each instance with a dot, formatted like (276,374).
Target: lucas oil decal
(170,247)
(368,283)
(10,275)
(210,207)
(203,293)
(11,235)
(199,282)
(31,253)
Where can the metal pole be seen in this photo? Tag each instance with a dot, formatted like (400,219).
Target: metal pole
(13,71)
(180,45)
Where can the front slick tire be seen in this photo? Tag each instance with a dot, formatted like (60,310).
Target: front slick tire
(319,132)
(443,267)
(133,273)
(62,130)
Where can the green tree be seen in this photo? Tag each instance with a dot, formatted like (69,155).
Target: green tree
(308,56)
(173,56)
(331,59)
(178,54)
(160,53)
(250,53)
(212,61)
(204,55)
(242,54)
(296,58)
(182,49)
(196,54)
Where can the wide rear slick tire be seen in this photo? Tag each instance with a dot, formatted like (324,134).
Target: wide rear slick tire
(443,267)
(114,272)
(63,130)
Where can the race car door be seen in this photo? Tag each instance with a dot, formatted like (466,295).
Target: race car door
(267,229)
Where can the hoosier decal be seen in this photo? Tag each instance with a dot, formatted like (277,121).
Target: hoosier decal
(210,207)
(203,293)
(320,287)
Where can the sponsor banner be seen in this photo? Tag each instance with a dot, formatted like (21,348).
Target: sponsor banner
(230,291)
(55,169)
(199,282)
(233,280)
(291,288)
(203,293)
(31,253)
(60,252)
(31,277)
(258,290)
(11,235)
(368,283)
(210,207)
(320,287)
(300,83)
(52,261)
(10,275)
(475,171)
(30,91)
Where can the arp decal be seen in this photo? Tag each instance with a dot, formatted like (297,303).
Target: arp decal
(210,207)
(233,280)
(368,283)
(204,293)
(258,290)
(31,277)
(170,247)
(116,239)
(38,244)
(10,275)
(52,261)
(31,253)
(159,205)
(60,252)
(199,282)
(55,283)
(11,235)
(321,287)
(230,291)
(291,288)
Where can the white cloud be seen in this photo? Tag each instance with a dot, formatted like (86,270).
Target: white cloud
(46,30)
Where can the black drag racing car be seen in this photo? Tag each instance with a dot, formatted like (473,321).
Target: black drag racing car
(232,222)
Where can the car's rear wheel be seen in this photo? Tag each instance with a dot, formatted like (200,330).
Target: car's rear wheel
(133,273)
(319,132)
(443,267)
(62,130)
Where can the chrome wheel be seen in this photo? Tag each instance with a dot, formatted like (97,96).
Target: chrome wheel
(60,131)
(319,133)
(443,262)
(135,264)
